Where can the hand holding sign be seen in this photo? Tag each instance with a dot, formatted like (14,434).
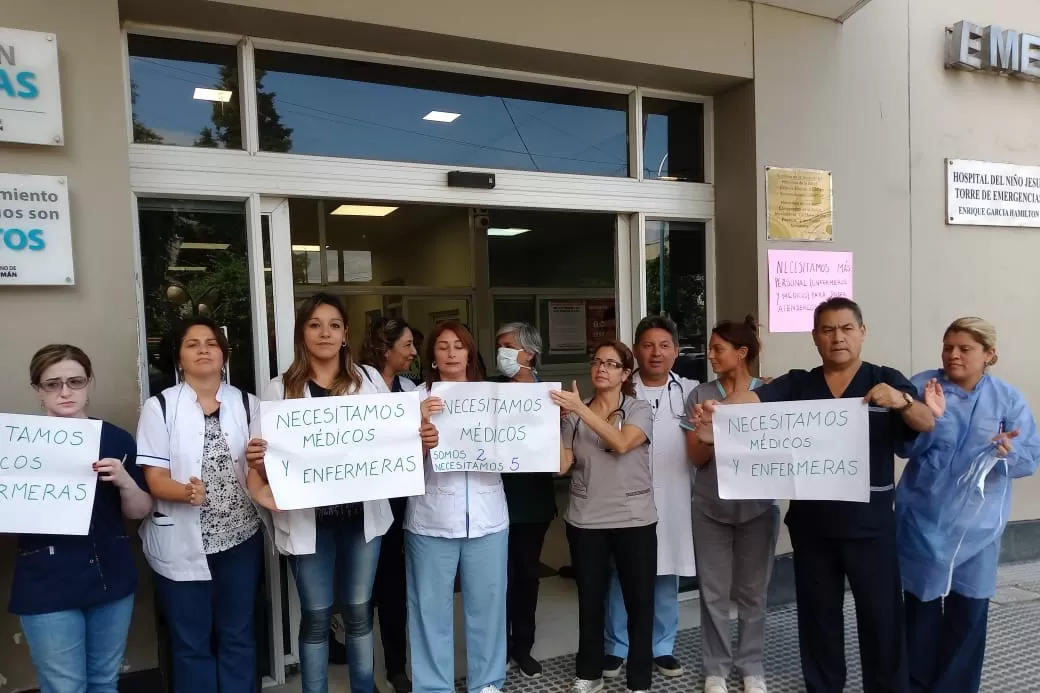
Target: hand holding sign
(255,451)
(568,400)
(884,395)
(702,421)
(112,471)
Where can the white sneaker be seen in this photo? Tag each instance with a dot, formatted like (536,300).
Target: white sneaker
(490,689)
(754,684)
(585,686)
(715,684)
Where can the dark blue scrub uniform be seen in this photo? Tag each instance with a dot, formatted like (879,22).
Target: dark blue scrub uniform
(835,540)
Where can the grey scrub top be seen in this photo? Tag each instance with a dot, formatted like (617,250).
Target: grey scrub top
(608,490)
(706,480)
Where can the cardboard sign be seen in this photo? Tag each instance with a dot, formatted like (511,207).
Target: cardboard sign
(800,280)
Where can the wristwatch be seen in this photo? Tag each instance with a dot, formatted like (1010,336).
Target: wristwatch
(909,402)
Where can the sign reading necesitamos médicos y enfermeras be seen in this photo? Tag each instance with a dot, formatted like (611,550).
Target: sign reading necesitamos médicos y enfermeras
(30,93)
(993,49)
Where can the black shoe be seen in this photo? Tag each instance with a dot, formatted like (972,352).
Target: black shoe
(529,666)
(668,666)
(400,683)
(612,666)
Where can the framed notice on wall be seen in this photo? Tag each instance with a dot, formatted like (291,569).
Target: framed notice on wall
(982,193)
(799,204)
(30,89)
(35,232)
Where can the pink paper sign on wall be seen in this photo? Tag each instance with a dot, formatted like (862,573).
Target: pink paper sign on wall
(800,280)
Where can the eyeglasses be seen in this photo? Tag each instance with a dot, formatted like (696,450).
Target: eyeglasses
(77,382)
(611,365)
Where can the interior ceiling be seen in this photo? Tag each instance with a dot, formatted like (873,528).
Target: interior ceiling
(839,10)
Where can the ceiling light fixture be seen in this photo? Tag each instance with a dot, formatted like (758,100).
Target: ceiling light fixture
(362,211)
(441,117)
(306,248)
(186,269)
(506,232)
(190,245)
(204,94)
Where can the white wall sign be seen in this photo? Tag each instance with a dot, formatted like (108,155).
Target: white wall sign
(30,88)
(47,484)
(811,450)
(497,427)
(35,232)
(981,193)
(342,449)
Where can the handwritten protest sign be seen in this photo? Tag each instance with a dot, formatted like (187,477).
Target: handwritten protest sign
(800,280)
(47,483)
(811,450)
(497,427)
(342,449)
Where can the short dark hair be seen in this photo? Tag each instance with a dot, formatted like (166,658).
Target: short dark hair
(656,322)
(181,331)
(741,334)
(833,305)
(56,353)
(628,362)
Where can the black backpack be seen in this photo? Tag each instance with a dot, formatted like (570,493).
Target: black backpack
(245,403)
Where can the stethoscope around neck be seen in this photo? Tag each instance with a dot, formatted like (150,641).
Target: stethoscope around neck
(619,413)
(678,412)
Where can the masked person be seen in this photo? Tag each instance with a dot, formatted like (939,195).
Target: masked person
(838,540)
(656,348)
(948,531)
(531,499)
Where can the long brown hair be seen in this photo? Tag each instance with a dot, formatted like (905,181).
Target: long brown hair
(473,370)
(628,362)
(295,378)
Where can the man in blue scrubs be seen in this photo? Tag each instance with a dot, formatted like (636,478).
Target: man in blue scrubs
(835,540)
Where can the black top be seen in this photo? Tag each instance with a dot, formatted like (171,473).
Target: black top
(333,513)
(63,572)
(845,519)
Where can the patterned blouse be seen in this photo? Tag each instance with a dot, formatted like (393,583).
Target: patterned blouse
(228,516)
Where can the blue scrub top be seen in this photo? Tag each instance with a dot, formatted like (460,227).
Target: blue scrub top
(60,572)
(948,531)
(845,519)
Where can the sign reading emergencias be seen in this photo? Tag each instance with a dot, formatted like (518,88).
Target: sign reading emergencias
(30,88)
(35,231)
(47,483)
(497,427)
(346,449)
(809,450)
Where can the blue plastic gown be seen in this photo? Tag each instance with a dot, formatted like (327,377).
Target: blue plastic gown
(954,497)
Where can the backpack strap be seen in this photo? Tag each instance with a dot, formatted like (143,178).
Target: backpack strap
(245,403)
(162,404)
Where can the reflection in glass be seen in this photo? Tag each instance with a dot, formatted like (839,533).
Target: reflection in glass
(550,249)
(194,261)
(354,109)
(673,140)
(675,286)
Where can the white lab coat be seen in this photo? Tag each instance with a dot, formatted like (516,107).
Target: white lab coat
(295,531)
(672,479)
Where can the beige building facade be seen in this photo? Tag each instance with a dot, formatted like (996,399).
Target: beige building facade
(629,145)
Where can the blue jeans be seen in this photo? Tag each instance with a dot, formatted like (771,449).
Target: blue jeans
(80,650)
(341,571)
(431,566)
(666,617)
(224,606)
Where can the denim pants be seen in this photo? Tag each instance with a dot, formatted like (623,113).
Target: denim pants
(340,573)
(223,606)
(80,650)
(666,617)
(432,563)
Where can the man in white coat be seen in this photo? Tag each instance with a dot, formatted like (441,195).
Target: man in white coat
(656,347)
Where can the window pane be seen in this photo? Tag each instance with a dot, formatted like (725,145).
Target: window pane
(184,93)
(550,249)
(194,261)
(673,140)
(354,109)
(675,286)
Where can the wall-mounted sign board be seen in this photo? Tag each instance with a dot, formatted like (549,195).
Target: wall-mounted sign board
(35,231)
(30,88)
(983,193)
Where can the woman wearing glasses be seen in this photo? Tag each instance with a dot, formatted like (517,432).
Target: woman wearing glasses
(734,539)
(611,516)
(74,595)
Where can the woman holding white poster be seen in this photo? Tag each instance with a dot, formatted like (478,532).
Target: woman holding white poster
(75,594)
(460,526)
(611,516)
(333,550)
(734,540)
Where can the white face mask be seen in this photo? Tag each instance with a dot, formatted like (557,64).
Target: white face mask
(507,361)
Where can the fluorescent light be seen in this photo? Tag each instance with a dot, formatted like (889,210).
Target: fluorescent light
(186,269)
(203,94)
(306,248)
(441,116)
(506,232)
(362,211)
(205,246)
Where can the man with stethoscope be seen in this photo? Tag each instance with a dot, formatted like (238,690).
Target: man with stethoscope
(656,348)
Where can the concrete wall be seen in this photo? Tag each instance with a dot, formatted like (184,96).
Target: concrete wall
(99,313)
